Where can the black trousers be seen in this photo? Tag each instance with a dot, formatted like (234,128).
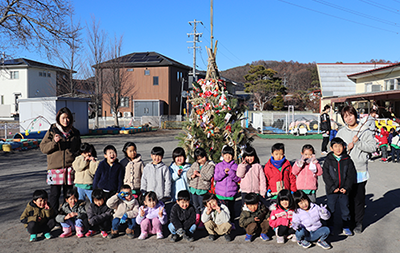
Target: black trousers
(102,226)
(357,203)
(231,206)
(285,230)
(55,193)
(36,228)
(325,141)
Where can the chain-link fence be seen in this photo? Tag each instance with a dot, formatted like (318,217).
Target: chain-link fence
(8,129)
(285,122)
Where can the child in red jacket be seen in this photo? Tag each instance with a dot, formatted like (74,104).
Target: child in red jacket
(279,172)
(281,216)
(307,169)
(382,138)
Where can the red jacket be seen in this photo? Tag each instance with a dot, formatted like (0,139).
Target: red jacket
(276,177)
(280,217)
(383,137)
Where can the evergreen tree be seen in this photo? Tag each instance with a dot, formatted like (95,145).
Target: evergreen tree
(278,102)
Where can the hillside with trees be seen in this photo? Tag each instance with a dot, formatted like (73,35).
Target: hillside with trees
(294,75)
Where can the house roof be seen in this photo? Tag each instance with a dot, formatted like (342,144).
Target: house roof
(31,63)
(380,70)
(145,59)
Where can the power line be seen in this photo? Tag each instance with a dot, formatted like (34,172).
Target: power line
(352,21)
(227,50)
(356,13)
(386,8)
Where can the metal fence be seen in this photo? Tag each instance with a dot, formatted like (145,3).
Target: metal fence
(8,129)
(285,122)
(164,121)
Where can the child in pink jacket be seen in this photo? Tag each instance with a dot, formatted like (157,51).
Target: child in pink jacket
(281,216)
(307,169)
(252,174)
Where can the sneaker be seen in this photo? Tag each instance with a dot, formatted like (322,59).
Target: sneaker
(160,235)
(188,237)
(47,236)
(264,237)
(104,234)
(370,160)
(280,239)
(324,153)
(347,231)
(130,236)
(33,238)
(358,229)
(142,236)
(212,237)
(174,238)
(305,244)
(299,243)
(247,238)
(292,237)
(90,233)
(323,244)
(227,237)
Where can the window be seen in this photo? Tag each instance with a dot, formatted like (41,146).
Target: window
(48,74)
(129,70)
(389,84)
(155,80)
(124,102)
(40,74)
(2,99)
(14,74)
(146,72)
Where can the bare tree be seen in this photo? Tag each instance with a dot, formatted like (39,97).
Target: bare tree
(69,58)
(116,79)
(97,45)
(34,24)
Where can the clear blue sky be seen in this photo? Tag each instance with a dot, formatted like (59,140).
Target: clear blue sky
(303,31)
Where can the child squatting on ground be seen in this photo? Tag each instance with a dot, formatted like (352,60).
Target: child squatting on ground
(216,218)
(254,217)
(182,218)
(125,211)
(99,214)
(72,215)
(307,222)
(339,175)
(38,217)
(152,215)
(281,216)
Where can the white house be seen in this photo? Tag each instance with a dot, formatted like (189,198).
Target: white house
(23,78)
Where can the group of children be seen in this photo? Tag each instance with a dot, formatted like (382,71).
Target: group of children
(388,140)
(127,193)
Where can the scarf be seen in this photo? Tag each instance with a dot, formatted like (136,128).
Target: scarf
(279,163)
(66,134)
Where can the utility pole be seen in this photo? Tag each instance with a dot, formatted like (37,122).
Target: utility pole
(196,36)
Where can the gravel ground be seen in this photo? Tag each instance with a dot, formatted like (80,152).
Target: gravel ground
(23,172)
